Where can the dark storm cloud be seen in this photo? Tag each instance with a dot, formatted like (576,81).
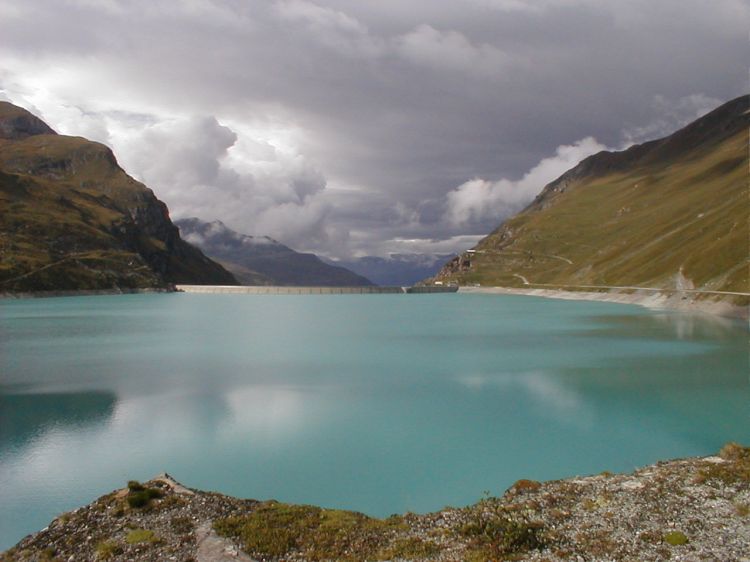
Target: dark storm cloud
(371,126)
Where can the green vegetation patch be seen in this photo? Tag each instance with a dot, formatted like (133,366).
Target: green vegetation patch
(107,549)
(493,534)
(140,496)
(275,530)
(141,536)
(675,538)
(735,470)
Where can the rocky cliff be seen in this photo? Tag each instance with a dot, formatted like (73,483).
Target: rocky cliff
(73,219)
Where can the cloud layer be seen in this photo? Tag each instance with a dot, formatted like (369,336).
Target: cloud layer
(358,128)
(480,200)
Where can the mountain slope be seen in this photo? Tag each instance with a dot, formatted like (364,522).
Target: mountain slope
(671,213)
(73,219)
(260,260)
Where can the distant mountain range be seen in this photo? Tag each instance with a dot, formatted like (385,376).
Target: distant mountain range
(396,270)
(670,213)
(260,260)
(73,219)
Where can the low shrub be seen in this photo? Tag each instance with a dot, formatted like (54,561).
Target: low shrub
(135,486)
(107,549)
(493,534)
(735,470)
(140,496)
(140,536)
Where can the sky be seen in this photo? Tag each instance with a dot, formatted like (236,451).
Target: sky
(369,127)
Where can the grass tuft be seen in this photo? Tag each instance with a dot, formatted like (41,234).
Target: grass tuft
(735,470)
(141,536)
(107,549)
(676,538)
(135,486)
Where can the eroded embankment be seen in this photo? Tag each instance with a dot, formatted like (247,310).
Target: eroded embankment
(690,509)
(729,306)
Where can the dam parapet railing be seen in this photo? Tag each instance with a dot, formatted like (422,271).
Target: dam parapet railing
(284,290)
(425,289)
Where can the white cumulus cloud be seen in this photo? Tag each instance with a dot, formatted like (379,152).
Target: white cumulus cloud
(479,199)
(203,168)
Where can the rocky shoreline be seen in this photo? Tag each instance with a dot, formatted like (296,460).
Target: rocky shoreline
(654,299)
(688,509)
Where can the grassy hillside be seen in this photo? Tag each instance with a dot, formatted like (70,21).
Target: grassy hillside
(73,219)
(671,213)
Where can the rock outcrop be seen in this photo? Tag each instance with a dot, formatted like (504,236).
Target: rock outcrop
(17,123)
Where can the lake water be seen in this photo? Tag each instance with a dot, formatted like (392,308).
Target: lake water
(378,403)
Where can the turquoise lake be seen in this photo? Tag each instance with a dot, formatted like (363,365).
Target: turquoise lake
(377,403)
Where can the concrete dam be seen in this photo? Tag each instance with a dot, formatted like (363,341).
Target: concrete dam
(279,290)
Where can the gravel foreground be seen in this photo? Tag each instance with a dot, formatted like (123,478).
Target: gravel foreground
(689,509)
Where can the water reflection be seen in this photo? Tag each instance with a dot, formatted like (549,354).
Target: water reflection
(550,396)
(266,412)
(113,432)
(670,325)
(24,417)
(700,326)
(181,417)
